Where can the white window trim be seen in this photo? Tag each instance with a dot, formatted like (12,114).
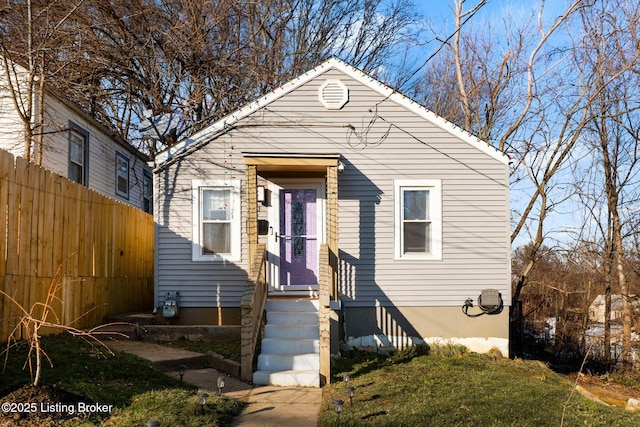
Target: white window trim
(435,204)
(196,251)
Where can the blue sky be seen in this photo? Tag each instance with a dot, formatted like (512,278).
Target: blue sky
(440,14)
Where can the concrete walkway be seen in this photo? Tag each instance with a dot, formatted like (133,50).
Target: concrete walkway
(268,406)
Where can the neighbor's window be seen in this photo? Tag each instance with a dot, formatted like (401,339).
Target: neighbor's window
(147,191)
(122,176)
(78,153)
(216,219)
(418,219)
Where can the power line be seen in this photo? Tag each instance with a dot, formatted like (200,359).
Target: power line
(444,42)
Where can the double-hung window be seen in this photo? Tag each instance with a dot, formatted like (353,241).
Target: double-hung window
(78,153)
(418,224)
(216,220)
(122,175)
(147,191)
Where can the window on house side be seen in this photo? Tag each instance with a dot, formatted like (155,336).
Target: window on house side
(78,154)
(122,176)
(216,221)
(418,219)
(147,192)
(215,204)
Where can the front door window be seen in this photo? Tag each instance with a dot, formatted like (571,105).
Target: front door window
(298,237)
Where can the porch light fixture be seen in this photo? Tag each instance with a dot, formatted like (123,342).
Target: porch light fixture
(351,391)
(340,167)
(220,383)
(202,400)
(337,406)
(181,370)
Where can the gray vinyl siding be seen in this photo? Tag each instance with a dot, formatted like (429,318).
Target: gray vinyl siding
(475,214)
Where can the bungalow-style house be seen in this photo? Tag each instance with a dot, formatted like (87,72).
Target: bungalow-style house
(78,147)
(363,219)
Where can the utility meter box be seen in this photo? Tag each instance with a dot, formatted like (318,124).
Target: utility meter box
(170,306)
(489,299)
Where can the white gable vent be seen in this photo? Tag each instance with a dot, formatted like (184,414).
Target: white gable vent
(333,94)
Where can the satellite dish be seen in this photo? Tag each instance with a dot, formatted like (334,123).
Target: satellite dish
(158,126)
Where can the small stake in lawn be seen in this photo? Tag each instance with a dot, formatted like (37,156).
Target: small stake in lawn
(181,370)
(220,382)
(352,392)
(202,399)
(152,423)
(337,406)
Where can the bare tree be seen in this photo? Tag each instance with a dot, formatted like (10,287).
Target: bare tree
(610,54)
(510,87)
(536,96)
(30,34)
(196,61)
(470,82)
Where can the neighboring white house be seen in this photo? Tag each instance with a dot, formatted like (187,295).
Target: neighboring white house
(597,308)
(413,209)
(80,148)
(594,335)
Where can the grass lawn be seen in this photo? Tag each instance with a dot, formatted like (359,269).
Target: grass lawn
(453,387)
(137,391)
(447,387)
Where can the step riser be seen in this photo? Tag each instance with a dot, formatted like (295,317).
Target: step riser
(303,379)
(296,305)
(293,332)
(292,318)
(287,362)
(274,346)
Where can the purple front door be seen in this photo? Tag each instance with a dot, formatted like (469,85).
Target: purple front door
(298,238)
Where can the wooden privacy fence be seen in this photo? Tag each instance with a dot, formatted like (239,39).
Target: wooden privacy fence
(53,230)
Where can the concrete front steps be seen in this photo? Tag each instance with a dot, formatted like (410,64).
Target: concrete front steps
(290,351)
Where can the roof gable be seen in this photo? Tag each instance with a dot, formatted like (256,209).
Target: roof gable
(222,125)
